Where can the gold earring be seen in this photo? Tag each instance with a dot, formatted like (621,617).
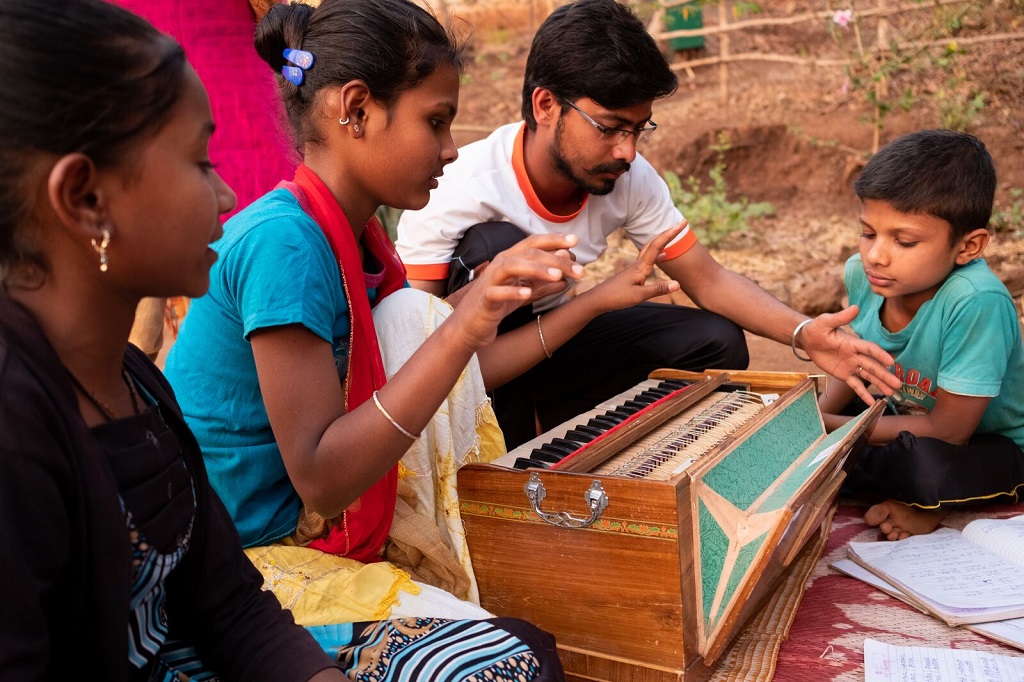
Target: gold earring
(101,248)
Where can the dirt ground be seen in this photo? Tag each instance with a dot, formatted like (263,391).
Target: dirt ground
(797,134)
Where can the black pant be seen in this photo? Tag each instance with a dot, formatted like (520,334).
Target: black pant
(930,473)
(612,353)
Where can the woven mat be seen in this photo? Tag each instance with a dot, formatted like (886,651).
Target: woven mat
(836,613)
(751,657)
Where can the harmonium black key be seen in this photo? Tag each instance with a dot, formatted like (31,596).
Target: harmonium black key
(582,434)
(552,452)
(673,384)
(557,449)
(604,422)
(523,463)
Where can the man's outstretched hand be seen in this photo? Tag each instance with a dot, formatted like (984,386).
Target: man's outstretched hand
(847,357)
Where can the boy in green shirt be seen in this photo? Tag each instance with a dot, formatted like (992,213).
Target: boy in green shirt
(954,433)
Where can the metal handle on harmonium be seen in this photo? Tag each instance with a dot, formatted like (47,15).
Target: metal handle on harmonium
(595,497)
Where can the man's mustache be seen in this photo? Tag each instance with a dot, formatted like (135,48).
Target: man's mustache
(616,167)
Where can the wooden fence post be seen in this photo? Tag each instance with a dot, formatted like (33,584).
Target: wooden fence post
(882,47)
(723,53)
(873,58)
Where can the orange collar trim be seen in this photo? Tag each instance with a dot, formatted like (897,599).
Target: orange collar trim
(534,202)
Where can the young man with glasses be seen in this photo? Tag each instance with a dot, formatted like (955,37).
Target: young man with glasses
(592,76)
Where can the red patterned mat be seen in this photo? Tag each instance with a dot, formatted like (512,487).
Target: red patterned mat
(836,614)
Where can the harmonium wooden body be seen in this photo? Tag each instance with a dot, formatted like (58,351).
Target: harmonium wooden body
(645,533)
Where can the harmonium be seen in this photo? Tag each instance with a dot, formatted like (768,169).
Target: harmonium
(645,533)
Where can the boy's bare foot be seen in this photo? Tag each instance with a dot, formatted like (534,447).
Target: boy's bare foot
(897,521)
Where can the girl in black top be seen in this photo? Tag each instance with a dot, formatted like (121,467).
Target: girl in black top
(117,559)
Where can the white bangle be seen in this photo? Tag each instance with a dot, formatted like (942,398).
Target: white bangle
(391,419)
(792,342)
(540,333)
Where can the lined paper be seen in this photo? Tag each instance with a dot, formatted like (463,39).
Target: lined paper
(891,663)
(1004,537)
(946,568)
(1006,631)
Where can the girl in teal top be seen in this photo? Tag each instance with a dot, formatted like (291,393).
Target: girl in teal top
(257,362)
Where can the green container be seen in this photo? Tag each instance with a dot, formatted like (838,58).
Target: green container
(680,17)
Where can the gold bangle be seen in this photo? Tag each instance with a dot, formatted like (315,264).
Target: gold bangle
(792,342)
(391,419)
(540,333)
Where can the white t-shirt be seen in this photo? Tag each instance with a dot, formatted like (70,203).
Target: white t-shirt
(488,183)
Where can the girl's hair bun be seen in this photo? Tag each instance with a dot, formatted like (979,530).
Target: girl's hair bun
(283,26)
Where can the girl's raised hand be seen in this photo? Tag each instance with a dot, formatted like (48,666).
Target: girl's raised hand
(629,287)
(536,265)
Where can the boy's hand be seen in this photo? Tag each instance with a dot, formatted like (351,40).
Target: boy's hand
(629,287)
(853,360)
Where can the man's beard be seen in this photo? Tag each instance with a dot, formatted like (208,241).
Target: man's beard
(597,187)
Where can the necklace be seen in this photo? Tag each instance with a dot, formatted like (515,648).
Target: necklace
(102,407)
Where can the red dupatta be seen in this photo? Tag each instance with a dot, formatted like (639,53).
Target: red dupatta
(361,530)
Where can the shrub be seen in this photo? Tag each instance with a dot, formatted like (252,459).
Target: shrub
(710,212)
(1009,219)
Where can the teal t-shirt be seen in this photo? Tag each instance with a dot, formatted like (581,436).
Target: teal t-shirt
(966,340)
(275,267)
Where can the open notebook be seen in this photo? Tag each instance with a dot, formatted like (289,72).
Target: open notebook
(961,577)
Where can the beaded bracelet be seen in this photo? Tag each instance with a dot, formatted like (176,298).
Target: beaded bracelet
(391,419)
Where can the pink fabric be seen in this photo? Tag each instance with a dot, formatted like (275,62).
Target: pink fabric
(250,148)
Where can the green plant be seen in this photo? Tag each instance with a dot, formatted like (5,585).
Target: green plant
(870,75)
(1009,219)
(893,73)
(710,212)
(956,102)
(740,9)
(958,112)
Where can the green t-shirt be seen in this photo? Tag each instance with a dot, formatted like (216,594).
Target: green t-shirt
(966,340)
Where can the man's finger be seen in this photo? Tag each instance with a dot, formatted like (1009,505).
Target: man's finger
(860,389)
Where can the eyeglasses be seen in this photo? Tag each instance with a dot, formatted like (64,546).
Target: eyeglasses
(642,132)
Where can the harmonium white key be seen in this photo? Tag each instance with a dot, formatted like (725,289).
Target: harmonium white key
(644,533)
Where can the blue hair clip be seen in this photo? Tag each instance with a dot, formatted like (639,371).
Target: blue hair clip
(302,60)
(299,58)
(293,75)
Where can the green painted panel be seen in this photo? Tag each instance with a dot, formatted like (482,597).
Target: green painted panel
(753,465)
(739,572)
(714,544)
(813,463)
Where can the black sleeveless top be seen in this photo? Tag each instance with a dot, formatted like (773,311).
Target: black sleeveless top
(159,504)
